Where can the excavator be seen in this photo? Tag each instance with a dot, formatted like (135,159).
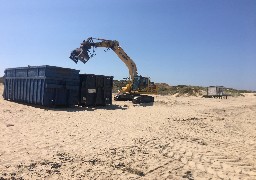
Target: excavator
(137,86)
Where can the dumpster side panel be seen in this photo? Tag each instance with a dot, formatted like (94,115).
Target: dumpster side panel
(108,81)
(87,89)
(43,85)
(108,85)
(95,90)
(108,95)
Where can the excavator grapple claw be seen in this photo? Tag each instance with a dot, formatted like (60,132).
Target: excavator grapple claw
(79,54)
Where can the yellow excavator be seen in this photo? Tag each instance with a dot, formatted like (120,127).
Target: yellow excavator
(137,86)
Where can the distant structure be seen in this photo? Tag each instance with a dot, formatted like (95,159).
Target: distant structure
(215,92)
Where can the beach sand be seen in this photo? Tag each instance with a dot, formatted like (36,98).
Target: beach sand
(175,138)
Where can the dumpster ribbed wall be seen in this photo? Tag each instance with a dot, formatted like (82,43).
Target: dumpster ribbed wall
(43,85)
(96,90)
(108,86)
(24,90)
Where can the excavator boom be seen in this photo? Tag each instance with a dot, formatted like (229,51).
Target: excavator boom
(83,53)
(136,86)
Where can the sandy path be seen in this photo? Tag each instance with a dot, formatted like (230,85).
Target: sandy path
(176,138)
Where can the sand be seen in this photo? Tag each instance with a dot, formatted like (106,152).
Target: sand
(176,138)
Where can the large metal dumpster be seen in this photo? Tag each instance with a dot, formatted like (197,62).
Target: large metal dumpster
(96,90)
(42,85)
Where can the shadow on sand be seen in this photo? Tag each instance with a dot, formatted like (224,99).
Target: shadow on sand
(80,108)
(144,104)
(74,108)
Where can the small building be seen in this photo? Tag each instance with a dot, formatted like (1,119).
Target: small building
(215,92)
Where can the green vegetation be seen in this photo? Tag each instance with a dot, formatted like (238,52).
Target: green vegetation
(183,90)
(234,92)
(165,89)
(118,85)
(180,90)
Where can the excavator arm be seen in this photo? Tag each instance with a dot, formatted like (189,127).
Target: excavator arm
(137,85)
(83,53)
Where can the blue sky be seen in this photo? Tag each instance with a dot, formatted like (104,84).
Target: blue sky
(193,42)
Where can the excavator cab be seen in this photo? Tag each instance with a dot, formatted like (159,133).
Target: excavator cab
(140,83)
(143,85)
